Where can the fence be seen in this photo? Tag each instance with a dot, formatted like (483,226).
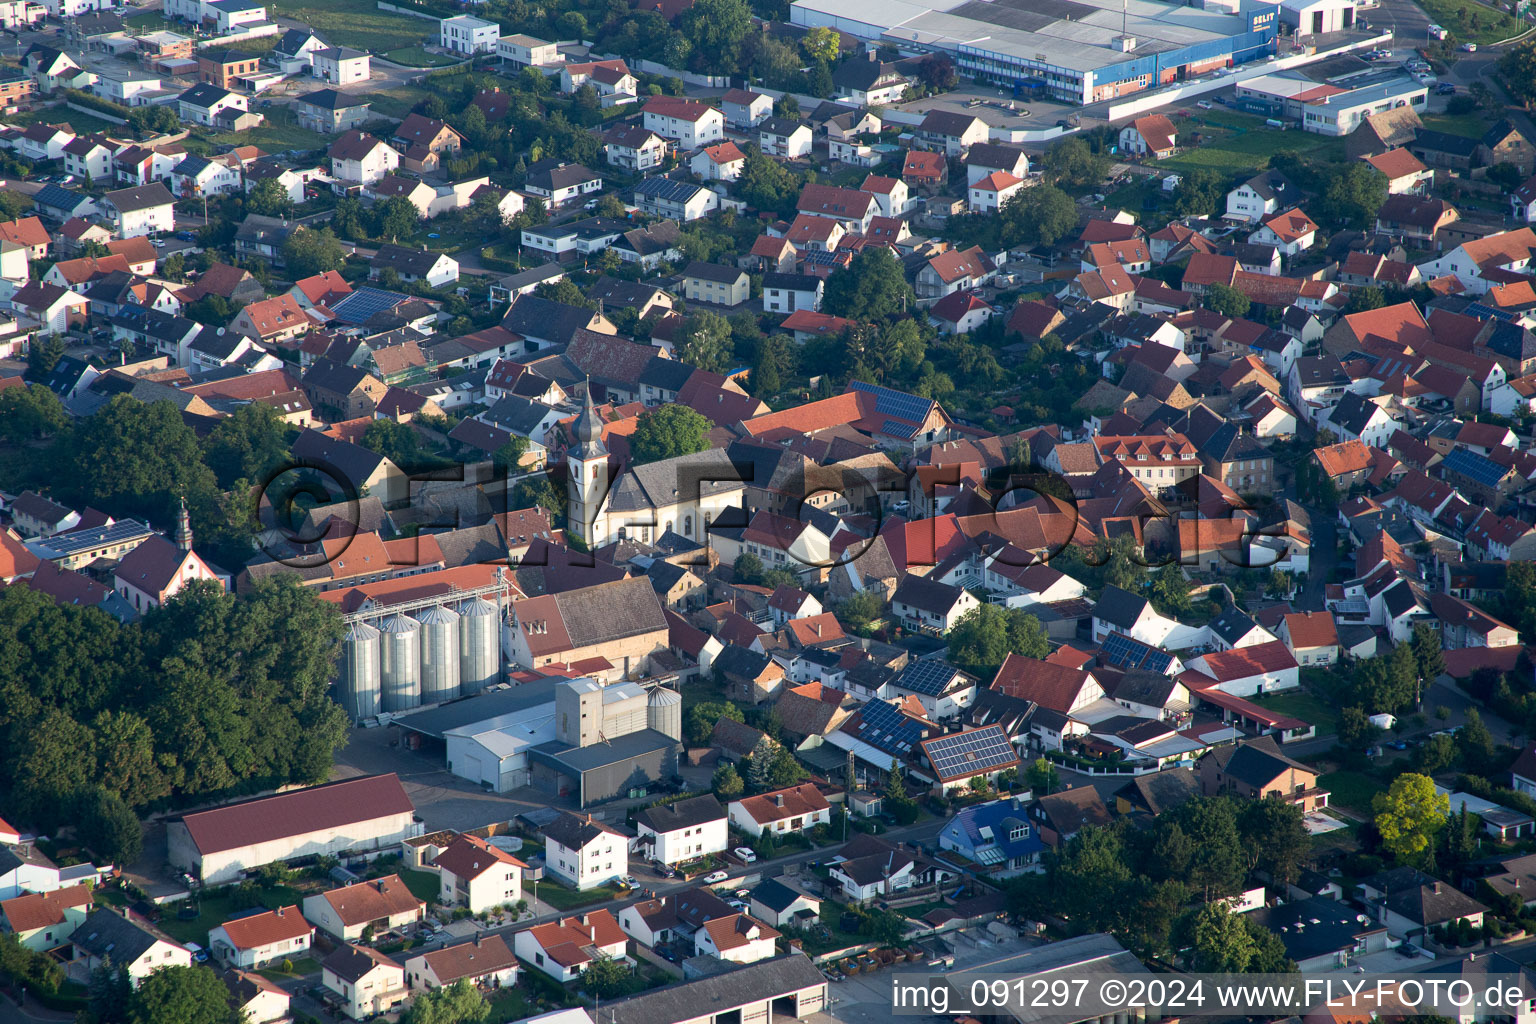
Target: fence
(94,112)
(235,37)
(652,67)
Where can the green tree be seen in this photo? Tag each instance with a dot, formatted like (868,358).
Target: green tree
(540,492)
(269,199)
(1226,300)
(716,29)
(1274,836)
(1222,941)
(610,205)
(1217,866)
(459,1003)
(1354,194)
(667,432)
(760,770)
(1437,754)
(1201,192)
(870,287)
(820,44)
(309,252)
(509,457)
(785,769)
(248,444)
(747,568)
(1428,654)
(703,716)
(1474,744)
(766,184)
(1073,162)
(1043,779)
(1170,590)
(14,204)
(1517,72)
(397,442)
(108,828)
(726,782)
(985,635)
(397,218)
(31,412)
(1356,731)
(137,458)
(182,995)
(1409,815)
(937,73)
(705,342)
(860,610)
(1037,216)
(44,355)
(1367,298)
(126,763)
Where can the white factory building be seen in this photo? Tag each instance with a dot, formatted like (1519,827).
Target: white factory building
(362,814)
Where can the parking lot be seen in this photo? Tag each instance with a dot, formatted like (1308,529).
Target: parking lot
(1026,112)
(866,998)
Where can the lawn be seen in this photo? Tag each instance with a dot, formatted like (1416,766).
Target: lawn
(78,122)
(561,898)
(147,21)
(396,102)
(424,885)
(509,1004)
(214,908)
(302,967)
(1350,790)
(1234,142)
(1470,21)
(1470,126)
(418,57)
(279,133)
(1305,706)
(359,24)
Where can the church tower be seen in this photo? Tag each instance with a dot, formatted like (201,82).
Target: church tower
(183,529)
(587,465)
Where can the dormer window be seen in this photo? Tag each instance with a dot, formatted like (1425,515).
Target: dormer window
(1018,832)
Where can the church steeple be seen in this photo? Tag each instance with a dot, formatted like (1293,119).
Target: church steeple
(183,528)
(586,463)
(589,430)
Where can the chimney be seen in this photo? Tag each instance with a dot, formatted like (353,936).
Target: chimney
(1435,888)
(778,799)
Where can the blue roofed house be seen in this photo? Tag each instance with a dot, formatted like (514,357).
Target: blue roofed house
(996,835)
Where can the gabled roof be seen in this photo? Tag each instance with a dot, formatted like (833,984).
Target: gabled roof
(317,808)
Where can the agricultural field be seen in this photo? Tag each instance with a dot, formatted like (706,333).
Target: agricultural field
(359,24)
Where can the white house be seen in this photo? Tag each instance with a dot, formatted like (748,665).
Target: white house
(259,939)
(261,1000)
(737,938)
(925,604)
(682,830)
(358,156)
(1250,671)
(786,293)
(990,193)
(364,981)
(528,51)
(691,122)
(1290,231)
(383,903)
(142,210)
(487,962)
(202,103)
(583,852)
(468,35)
(718,163)
(785,137)
(1152,136)
(477,875)
(796,809)
(1507,250)
(340,65)
(563,949)
(135,948)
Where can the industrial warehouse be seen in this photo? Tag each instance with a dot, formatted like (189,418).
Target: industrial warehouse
(572,738)
(1075,51)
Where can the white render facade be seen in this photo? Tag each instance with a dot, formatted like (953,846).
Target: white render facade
(603,859)
(467,35)
(686,844)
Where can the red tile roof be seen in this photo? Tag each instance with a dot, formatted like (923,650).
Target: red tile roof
(796,801)
(470,857)
(1225,666)
(373,900)
(1311,629)
(1047,683)
(291,814)
(281,925)
(34,910)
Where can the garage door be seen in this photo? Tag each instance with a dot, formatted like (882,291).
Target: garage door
(469,767)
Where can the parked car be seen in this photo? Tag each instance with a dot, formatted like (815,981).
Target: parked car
(746,855)
(714,878)
(1445,89)
(1468,47)
(629,880)
(1204,104)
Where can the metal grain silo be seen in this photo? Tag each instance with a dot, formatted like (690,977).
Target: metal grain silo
(439,655)
(479,645)
(400,663)
(664,712)
(358,686)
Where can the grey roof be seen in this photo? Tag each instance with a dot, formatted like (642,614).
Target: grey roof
(791,282)
(777,896)
(481,707)
(1313,927)
(927,595)
(993,155)
(785,126)
(330,99)
(1143,686)
(600,755)
(1232,625)
(695,810)
(268,230)
(355,462)
(107,932)
(517,414)
(140,197)
(352,963)
(748,984)
(552,174)
(657,484)
(204,95)
(669,190)
(545,319)
(293,39)
(573,831)
(417,262)
(1256,762)
(1161,791)
(1119,607)
(714,272)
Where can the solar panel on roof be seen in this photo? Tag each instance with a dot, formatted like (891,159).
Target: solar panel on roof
(1470,464)
(1122,651)
(895,403)
(365,302)
(882,726)
(971,753)
(1482,312)
(926,676)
